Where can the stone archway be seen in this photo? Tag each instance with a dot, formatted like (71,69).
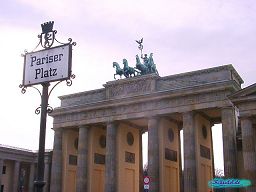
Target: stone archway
(161,105)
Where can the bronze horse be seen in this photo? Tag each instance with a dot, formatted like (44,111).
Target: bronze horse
(143,68)
(152,65)
(119,71)
(129,71)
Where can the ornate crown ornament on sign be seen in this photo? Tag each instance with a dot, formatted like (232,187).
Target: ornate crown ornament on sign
(47,36)
(142,68)
(47,27)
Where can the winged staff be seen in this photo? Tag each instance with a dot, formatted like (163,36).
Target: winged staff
(140,44)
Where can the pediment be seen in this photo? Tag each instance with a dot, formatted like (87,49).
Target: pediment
(249,91)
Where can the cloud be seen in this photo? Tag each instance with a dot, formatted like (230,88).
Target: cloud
(196,33)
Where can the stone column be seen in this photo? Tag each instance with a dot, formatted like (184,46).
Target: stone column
(141,187)
(190,175)
(249,153)
(16,174)
(46,175)
(56,174)
(111,163)
(31,177)
(213,166)
(229,145)
(153,154)
(1,170)
(180,161)
(228,119)
(82,160)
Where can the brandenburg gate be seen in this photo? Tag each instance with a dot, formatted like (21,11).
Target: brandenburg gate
(98,133)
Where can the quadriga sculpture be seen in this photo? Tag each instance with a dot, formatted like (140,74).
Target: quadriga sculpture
(148,66)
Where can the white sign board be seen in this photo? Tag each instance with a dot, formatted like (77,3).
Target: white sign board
(47,65)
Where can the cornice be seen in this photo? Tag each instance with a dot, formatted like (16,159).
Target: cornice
(176,93)
(228,67)
(81,93)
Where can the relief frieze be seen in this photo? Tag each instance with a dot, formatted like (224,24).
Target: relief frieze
(131,88)
(141,107)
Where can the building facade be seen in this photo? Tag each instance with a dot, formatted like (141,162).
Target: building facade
(98,134)
(245,100)
(18,169)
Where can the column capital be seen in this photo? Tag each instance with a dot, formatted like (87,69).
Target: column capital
(17,162)
(246,117)
(153,123)
(229,108)
(84,126)
(188,117)
(115,123)
(153,117)
(189,113)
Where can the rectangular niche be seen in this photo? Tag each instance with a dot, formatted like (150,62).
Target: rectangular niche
(72,160)
(170,155)
(99,159)
(129,157)
(205,152)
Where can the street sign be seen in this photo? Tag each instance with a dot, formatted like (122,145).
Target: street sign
(146,186)
(42,67)
(47,65)
(146,181)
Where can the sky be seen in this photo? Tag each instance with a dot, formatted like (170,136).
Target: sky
(184,35)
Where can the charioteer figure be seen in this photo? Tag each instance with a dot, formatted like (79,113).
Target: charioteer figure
(145,59)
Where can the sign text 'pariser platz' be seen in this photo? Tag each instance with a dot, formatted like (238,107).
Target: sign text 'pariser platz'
(47,65)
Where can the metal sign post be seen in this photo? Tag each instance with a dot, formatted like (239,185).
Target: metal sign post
(39,183)
(43,67)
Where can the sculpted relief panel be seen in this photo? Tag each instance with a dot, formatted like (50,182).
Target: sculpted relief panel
(130,88)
